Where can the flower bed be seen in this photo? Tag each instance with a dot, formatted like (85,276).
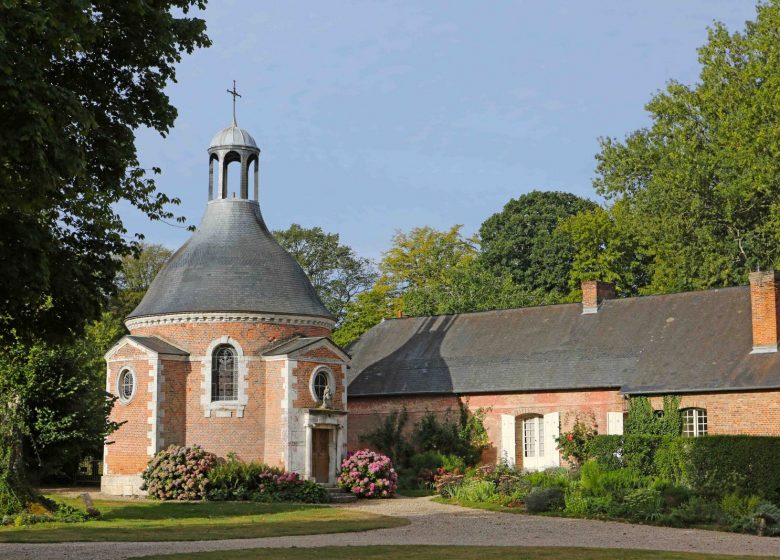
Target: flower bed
(190,473)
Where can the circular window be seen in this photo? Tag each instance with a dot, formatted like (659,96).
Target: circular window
(320,382)
(126,385)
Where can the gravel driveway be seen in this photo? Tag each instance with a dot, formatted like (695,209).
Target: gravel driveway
(433,523)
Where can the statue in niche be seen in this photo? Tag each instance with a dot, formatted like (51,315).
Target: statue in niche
(327,397)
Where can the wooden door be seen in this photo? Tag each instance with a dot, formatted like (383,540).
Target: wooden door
(321,455)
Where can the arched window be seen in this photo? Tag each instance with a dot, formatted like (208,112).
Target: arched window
(252,168)
(694,422)
(126,385)
(224,386)
(230,157)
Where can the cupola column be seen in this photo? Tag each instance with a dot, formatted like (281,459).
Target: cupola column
(244,177)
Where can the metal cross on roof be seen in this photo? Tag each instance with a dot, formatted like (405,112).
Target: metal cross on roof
(235,94)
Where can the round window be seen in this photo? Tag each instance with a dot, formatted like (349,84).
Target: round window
(126,386)
(321,382)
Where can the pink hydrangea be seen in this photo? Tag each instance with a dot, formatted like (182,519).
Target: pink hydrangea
(368,474)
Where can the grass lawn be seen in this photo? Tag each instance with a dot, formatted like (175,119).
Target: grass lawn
(167,521)
(480,505)
(446,553)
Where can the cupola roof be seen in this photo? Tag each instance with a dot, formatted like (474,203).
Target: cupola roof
(232,136)
(231,263)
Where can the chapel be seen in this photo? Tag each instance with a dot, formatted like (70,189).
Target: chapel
(229,348)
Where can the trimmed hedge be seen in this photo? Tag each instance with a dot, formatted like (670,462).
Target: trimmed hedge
(719,465)
(711,466)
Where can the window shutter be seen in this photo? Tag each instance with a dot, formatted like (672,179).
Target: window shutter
(552,429)
(508,439)
(615,423)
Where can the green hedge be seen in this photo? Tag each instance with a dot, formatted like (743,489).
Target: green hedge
(711,466)
(719,465)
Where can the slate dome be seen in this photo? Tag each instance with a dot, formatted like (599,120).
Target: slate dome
(231,263)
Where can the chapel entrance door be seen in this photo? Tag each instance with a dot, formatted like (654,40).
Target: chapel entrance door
(320,456)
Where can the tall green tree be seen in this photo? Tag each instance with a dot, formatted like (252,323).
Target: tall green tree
(77,78)
(430,272)
(334,269)
(702,182)
(137,270)
(523,240)
(606,248)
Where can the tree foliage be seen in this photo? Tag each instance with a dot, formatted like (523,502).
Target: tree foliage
(336,272)
(136,273)
(432,272)
(77,79)
(606,248)
(523,240)
(696,195)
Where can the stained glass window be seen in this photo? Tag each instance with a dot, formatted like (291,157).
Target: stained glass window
(223,374)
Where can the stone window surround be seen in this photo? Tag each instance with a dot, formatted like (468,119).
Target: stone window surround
(225,409)
(331,381)
(122,370)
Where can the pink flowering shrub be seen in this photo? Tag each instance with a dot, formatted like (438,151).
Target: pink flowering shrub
(178,473)
(368,474)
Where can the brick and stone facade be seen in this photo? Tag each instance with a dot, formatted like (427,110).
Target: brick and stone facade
(536,370)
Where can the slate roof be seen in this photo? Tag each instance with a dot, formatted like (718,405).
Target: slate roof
(157,345)
(231,263)
(292,345)
(694,341)
(301,342)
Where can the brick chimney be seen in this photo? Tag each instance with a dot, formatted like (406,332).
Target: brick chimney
(765,310)
(593,293)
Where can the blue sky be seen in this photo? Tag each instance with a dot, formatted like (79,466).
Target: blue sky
(377,116)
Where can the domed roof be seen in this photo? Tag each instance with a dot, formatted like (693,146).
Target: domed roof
(233,136)
(231,263)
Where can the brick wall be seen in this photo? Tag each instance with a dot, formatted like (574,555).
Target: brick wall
(244,436)
(303,372)
(751,413)
(173,403)
(126,452)
(257,432)
(253,337)
(367,413)
(567,403)
(754,413)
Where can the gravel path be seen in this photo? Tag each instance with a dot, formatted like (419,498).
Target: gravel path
(433,523)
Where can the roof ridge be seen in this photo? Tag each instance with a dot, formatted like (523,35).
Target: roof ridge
(561,304)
